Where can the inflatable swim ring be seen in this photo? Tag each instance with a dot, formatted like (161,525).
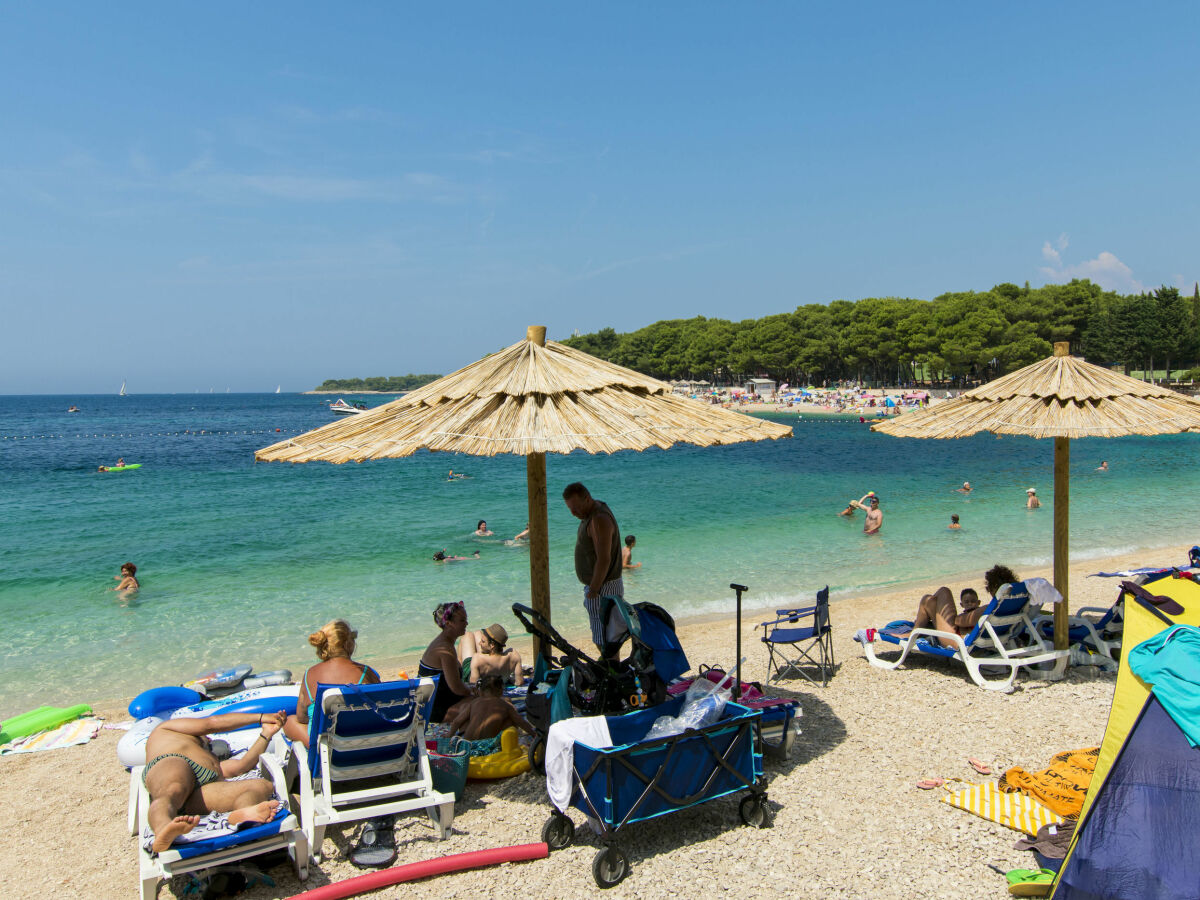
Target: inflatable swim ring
(223,679)
(131,749)
(161,700)
(511,759)
(267,679)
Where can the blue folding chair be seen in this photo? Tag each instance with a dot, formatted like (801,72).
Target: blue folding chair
(793,647)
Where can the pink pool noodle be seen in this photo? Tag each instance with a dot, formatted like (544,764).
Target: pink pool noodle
(476,859)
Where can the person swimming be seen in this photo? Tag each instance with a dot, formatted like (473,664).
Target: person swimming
(128,578)
(481,530)
(441,556)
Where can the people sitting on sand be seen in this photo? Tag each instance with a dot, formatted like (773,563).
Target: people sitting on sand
(186,780)
(442,556)
(488,714)
(937,610)
(128,578)
(954,521)
(965,489)
(334,643)
(441,659)
(627,553)
(1032,501)
(481,530)
(482,653)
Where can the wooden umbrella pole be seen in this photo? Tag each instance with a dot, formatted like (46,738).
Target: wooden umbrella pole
(539,538)
(1062,505)
(539,522)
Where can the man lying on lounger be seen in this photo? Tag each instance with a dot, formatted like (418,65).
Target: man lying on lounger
(937,610)
(185,779)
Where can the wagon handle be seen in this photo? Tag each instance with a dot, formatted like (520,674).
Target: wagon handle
(737,684)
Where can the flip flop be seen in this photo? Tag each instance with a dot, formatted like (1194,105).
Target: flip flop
(981,767)
(376,847)
(1030,882)
(928,784)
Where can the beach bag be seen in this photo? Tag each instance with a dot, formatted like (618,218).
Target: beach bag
(448,766)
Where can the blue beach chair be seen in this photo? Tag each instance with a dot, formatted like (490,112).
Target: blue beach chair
(1003,638)
(281,832)
(792,647)
(1101,635)
(366,758)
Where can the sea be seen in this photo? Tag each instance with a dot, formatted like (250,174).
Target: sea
(239,561)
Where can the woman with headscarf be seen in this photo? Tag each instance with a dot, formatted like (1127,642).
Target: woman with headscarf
(441,659)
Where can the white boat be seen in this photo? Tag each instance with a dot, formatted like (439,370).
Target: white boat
(340,407)
(121,393)
(278,388)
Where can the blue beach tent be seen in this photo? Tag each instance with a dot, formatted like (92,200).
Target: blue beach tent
(1140,824)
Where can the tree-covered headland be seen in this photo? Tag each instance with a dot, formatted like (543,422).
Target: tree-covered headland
(967,336)
(378,383)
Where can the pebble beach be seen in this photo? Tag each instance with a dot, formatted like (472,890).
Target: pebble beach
(846,819)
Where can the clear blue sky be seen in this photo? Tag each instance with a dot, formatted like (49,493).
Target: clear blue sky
(249,194)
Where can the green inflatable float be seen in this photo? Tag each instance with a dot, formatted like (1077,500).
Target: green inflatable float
(41,719)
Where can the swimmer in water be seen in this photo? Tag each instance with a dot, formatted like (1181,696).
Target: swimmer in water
(1033,502)
(441,556)
(965,489)
(954,521)
(128,578)
(481,530)
(1103,467)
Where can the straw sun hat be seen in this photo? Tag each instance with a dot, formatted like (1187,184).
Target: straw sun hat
(1030,491)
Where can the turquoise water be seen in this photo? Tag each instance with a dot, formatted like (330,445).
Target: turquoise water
(240,561)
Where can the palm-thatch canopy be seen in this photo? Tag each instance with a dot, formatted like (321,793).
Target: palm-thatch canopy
(530,399)
(1062,398)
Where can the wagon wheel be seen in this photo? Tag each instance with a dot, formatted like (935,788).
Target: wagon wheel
(609,867)
(753,811)
(537,755)
(558,832)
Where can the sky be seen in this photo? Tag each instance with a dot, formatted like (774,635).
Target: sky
(233,195)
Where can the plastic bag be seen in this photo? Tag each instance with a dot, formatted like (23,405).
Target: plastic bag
(702,706)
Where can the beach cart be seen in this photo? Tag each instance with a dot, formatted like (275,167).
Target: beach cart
(639,779)
(777,727)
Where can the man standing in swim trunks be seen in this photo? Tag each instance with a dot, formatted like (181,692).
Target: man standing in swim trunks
(597,555)
(186,781)
(874,518)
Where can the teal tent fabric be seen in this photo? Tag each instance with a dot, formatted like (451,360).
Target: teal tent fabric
(1170,663)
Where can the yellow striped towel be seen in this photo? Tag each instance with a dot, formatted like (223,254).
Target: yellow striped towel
(1015,810)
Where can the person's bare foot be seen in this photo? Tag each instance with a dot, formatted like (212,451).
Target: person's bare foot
(173,829)
(260,812)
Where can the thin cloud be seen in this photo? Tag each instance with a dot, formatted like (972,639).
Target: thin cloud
(1105,270)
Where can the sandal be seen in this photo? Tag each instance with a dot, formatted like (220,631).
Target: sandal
(1030,882)
(376,847)
(981,767)
(928,784)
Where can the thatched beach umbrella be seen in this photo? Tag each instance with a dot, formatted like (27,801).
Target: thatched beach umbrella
(1061,397)
(530,399)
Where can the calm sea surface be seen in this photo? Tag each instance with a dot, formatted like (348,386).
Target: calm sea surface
(240,561)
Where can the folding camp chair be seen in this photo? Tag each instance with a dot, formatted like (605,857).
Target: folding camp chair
(282,831)
(811,644)
(1004,638)
(366,757)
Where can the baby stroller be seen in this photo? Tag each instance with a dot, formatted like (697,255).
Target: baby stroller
(576,684)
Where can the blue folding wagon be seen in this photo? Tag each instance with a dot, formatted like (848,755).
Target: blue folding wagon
(638,779)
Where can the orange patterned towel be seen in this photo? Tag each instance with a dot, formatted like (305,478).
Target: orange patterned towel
(1062,787)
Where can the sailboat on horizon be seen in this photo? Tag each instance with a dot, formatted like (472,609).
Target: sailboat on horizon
(121,393)
(278,388)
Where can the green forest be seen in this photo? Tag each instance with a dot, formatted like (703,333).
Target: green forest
(394,384)
(954,338)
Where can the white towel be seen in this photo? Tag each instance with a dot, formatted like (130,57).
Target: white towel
(560,753)
(1041,592)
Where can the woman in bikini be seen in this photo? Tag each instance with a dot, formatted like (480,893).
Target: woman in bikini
(334,644)
(441,659)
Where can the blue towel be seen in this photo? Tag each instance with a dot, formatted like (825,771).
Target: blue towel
(1170,663)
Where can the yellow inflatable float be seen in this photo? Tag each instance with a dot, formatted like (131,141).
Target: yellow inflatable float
(511,759)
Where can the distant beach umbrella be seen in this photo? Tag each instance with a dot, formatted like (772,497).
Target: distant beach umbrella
(530,399)
(1061,397)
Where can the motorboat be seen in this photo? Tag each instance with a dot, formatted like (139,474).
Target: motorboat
(340,407)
